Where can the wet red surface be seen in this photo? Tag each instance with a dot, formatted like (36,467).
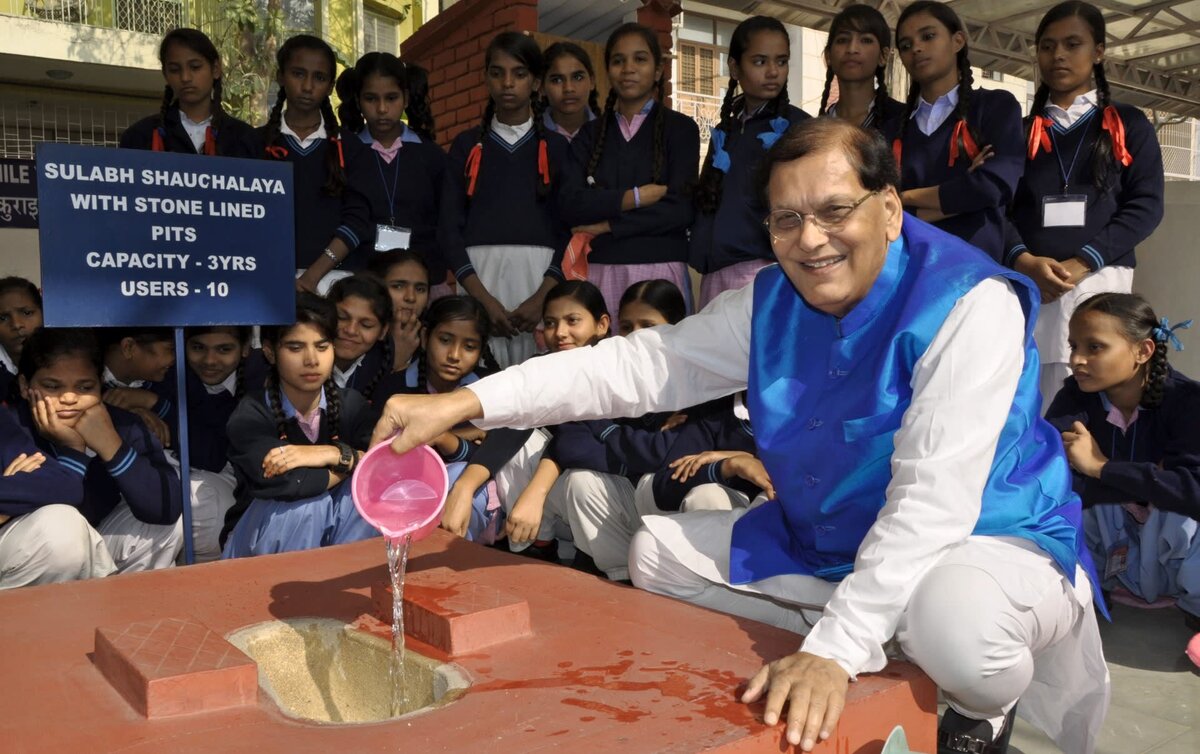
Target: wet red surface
(607,668)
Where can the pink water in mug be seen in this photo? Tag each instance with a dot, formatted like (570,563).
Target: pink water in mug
(401,495)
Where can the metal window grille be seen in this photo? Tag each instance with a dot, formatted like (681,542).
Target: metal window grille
(1178,142)
(70,11)
(28,118)
(380,33)
(155,17)
(687,67)
(707,56)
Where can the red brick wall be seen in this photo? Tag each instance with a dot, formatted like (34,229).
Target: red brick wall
(451,48)
(657,15)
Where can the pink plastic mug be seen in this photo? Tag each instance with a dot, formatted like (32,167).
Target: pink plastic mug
(401,495)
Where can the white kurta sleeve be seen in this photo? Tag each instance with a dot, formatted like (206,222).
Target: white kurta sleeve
(666,368)
(963,388)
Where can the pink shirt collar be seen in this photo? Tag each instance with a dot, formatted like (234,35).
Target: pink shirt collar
(629,128)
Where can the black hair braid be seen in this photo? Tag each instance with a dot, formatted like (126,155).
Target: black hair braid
(275,398)
(966,80)
(537,106)
(1156,375)
(825,92)
(348,87)
(418,111)
(275,119)
(487,359)
(335,180)
(422,372)
(1040,98)
(485,127)
(333,407)
(779,105)
(594,102)
(660,147)
(910,106)
(881,95)
(167,99)
(239,382)
(1103,161)
(610,112)
(217,110)
(708,188)
(385,367)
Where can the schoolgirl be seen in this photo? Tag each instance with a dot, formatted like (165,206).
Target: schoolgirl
(303,130)
(362,354)
(960,149)
(398,167)
(1093,183)
(569,88)
(857,51)
(728,245)
(20,315)
(215,358)
(406,277)
(1131,428)
(137,362)
(131,492)
(631,169)
(500,224)
(192,119)
(43,537)
(294,445)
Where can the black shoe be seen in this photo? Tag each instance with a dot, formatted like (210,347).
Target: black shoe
(583,562)
(958,734)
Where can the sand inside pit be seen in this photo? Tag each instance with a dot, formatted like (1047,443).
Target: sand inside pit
(323,670)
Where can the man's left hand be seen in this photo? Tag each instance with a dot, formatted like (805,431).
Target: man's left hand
(814,689)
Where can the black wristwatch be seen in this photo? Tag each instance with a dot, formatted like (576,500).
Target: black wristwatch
(345,461)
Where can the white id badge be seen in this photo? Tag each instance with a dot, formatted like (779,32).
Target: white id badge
(1064,211)
(388,237)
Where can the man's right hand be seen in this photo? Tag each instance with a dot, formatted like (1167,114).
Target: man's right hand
(419,419)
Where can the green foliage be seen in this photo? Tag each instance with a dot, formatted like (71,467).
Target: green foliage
(247,33)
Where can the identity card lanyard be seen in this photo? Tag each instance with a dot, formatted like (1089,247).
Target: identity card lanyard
(1065,210)
(390,236)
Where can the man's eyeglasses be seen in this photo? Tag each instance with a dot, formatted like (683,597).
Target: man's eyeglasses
(785,225)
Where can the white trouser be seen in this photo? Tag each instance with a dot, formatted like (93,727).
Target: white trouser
(512,479)
(511,274)
(606,510)
(138,546)
(327,280)
(212,497)
(975,624)
(51,544)
(1050,331)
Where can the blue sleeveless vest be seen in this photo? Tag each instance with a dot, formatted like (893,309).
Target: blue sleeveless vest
(826,397)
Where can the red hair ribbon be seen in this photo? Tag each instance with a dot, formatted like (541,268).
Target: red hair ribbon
(1039,135)
(341,154)
(473,160)
(156,141)
(543,162)
(210,141)
(1116,131)
(961,131)
(897,150)
(277,152)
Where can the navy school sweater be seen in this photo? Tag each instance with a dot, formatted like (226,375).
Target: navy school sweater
(234,138)
(371,371)
(505,209)
(139,472)
(649,235)
(320,216)
(417,174)
(712,426)
(8,384)
(735,232)
(50,483)
(252,433)
(624,447)
(1156,461)
(208,444)
(1119,216)
(977,200)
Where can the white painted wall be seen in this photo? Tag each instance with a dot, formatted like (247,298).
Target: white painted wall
(19,253)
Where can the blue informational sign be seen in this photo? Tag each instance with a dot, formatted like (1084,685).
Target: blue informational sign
(133,238)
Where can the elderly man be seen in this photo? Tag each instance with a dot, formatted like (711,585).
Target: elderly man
(893,386)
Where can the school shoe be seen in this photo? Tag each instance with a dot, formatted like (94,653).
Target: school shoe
(958,734)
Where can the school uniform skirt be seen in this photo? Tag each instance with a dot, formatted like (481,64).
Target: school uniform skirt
(511,274)
(1163,555)
(613,279)
(731,278)
(1050,332)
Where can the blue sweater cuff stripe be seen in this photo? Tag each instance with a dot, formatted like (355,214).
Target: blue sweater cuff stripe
(466,269)
(119,467)
(349,236)
(74,465)
(164,408)
(1094,256)
(1013,253)
(607,431)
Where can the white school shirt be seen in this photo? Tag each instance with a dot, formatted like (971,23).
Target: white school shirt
(6,361)
(307,141)
(511,134)
(930,116)
(963,386)
(195,131)
(340,378)
(228,385)
(110,380)
(1082,105)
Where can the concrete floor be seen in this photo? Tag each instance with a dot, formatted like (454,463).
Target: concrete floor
(1155,688)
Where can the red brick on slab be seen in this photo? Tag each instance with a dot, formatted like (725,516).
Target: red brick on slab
(454,615)
(175,666)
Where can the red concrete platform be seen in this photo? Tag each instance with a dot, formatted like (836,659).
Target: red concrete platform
(455,617)
(606,669)
(175,666)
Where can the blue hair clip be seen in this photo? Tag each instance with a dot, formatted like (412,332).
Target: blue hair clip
(778,126)
(720,158)
(1164,332)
